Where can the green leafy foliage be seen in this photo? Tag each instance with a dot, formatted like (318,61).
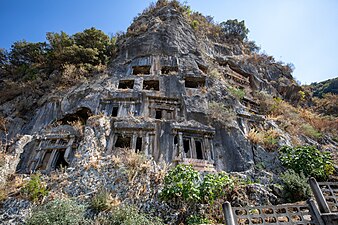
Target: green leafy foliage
(196,219)
(215,186)
(60,211)
(35,189)
(295,186)
(129,215)
(234,29)
(181,184)
(184,184)
(307,159)
(237,93)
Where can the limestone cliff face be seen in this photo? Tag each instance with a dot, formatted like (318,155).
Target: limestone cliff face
(159,98)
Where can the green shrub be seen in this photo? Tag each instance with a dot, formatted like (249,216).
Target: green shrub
(60,212)
(194,24)
(129,215)
(100,201)
(196,219)
(215,186)
(35,189)
(307,159)
(295,186)
(181,184)
(237,93)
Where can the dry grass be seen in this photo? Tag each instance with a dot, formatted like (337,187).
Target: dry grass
(221,113)
(267,138)
(298,121)
(13,185)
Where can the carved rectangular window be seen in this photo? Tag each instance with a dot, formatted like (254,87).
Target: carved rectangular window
(140,70)
(126,84)
(194,82)
(151,85)
(169,70)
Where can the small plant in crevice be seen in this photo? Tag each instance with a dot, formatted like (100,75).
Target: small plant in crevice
(295,186)
(101,201)
(236,92)
(35,189)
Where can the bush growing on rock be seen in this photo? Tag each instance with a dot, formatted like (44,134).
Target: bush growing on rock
(35,189)
(215,186)
(307,159)
(129,215)
(60,211)
(295,186)
(183,184)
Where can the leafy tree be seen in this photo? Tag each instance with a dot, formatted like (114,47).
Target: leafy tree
(94,41)
(57,49)
(234,29)
(26,53)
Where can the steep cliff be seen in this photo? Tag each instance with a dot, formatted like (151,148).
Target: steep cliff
(172,92)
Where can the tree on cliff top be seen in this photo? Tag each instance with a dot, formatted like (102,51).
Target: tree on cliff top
(234,30)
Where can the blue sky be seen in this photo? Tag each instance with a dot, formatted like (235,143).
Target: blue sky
(302,32)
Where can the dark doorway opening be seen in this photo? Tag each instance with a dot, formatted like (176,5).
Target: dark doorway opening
(158,114)
(138,144)
(82,115)
(186,145)
(60,160)
(122,142)
(115,111)
(199,151)
(175,140)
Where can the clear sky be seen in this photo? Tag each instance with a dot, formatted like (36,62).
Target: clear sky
(302,32)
